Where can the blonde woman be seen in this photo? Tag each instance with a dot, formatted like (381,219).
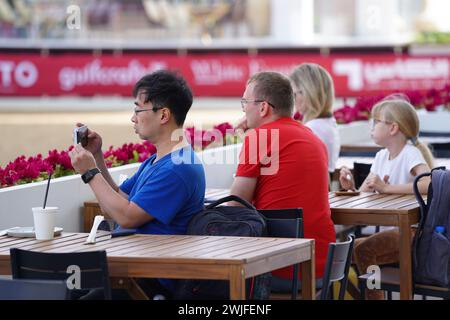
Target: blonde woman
(396,128)
(314,98)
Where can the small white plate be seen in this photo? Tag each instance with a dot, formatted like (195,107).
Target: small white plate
(28,232)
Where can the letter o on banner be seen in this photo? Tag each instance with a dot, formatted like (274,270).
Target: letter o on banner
(26,74)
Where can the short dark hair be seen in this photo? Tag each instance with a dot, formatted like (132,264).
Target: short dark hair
(166,89)
(276,89)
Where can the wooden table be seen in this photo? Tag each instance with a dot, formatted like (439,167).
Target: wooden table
(382,210)
(183,257)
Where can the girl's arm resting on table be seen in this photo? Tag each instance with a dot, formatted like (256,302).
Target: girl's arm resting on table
(408,187)
(364,187)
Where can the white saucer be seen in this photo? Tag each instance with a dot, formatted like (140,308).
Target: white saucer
(28,232)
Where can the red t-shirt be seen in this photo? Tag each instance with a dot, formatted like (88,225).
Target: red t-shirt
(294,177)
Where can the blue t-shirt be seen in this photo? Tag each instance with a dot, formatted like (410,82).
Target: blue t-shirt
(171,190)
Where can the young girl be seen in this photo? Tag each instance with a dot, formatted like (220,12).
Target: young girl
(314,97)
(395,127)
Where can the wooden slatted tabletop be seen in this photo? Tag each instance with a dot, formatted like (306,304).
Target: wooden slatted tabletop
(382,210)
(175,256)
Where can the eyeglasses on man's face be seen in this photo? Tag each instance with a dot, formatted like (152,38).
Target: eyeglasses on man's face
(137,110)
(244,102)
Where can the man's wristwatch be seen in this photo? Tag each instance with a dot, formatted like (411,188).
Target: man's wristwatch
(88,175)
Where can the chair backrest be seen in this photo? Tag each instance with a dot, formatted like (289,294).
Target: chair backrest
(14,289)
(440,150)
(87,270)
(360,173)
(285,223)
(337,266)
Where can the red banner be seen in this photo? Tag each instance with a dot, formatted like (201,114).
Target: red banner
(212,74)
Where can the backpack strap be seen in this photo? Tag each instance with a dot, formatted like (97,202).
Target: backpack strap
(423,205)
(231,198)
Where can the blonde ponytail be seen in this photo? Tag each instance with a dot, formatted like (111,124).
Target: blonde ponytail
(425,151)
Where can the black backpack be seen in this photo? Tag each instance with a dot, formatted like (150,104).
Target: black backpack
(217,220)
(431,245)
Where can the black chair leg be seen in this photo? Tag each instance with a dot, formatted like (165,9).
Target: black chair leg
(389,295)
(362,291)
(294,290)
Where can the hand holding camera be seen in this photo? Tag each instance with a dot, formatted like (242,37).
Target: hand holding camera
(80,135)
(90,140)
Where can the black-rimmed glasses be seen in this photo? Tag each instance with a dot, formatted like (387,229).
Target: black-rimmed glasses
(136,110)
(245,101)
(154,109)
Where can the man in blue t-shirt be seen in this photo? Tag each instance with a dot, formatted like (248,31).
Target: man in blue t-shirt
(169,187)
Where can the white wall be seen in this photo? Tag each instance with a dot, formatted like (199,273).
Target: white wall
(434,121)
(220,165)
(354,132)
(68,193)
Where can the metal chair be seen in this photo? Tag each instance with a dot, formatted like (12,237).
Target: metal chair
(93,281)
(14,289)
(337,267)
(360,173)
(285,223)
(440,150)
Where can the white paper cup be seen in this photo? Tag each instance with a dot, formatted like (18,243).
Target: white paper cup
(44,222)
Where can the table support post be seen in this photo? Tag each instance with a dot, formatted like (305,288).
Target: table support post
(309,276)
(405,258)
(237,283)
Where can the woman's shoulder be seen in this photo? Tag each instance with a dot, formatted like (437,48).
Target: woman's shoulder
(322,124)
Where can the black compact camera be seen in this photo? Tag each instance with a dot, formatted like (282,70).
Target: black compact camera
(80,135)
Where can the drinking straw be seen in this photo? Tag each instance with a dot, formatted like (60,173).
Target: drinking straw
(46,191)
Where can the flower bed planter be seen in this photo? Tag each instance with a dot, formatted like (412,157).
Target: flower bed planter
(69,193)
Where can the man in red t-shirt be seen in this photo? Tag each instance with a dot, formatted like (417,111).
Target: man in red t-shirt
(282,163)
